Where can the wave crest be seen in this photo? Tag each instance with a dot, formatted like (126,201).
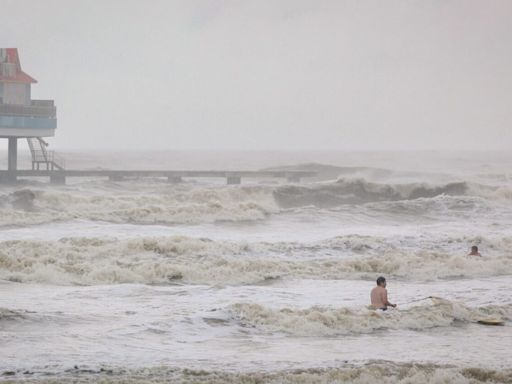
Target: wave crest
(361,191)
(8,314)
(385,372)
(318,321)
(177,205)
(167,260)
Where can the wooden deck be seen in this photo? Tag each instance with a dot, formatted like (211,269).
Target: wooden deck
(232,177)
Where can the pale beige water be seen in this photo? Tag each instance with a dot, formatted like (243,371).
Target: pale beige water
(149,279)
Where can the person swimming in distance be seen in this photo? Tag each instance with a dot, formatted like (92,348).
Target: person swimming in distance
(474,251)
(379,296)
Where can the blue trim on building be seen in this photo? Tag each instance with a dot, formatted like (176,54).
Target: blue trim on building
(27,122)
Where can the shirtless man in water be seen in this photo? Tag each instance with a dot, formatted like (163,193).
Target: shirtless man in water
(474,251)
(379,295)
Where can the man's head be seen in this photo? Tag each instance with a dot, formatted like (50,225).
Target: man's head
(474,249)
(381,282)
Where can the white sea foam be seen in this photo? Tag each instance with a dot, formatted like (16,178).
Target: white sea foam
(158,203)
(361,191)
(139,204)
(379,371)
(183,259)
(317,321)
(410,220)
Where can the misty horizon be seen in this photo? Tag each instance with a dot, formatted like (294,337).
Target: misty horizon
(287,75)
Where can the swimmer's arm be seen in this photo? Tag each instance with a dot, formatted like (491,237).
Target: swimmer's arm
(385,299)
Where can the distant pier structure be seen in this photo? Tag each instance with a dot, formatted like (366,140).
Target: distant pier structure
(24,118)
(33,120)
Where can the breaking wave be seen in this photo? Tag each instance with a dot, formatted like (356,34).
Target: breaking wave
(318,321)
(155,205)
(179,259)
(22,199)
(385,372)
(7,314)
(360,191)
(194,204)
(326,172)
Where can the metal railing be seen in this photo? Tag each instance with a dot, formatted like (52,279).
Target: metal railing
(34,110)
(58,160)
(49,158)
(42,103)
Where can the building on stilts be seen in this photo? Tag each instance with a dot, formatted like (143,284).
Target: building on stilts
(21,117)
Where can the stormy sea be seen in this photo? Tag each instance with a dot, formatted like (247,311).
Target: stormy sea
(146,281)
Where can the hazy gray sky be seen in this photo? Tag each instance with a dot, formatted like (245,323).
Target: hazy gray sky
(291,74)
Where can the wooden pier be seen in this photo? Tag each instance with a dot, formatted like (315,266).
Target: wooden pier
(33,120)
(232,177)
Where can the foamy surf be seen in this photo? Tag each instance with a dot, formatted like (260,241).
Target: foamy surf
(182,259)
(381,371)
(361,191)
(143,205)
(8,314)
(318,321)
(145,281)
(194,204)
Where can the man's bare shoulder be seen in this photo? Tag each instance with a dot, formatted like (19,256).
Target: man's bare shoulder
(376,289)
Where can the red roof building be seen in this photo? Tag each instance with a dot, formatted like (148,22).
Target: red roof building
(10,68)
(23,117)
(20,115)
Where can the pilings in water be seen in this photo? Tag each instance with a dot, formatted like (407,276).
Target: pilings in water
(57,179)
(12,159)
(232,180)
(174,179)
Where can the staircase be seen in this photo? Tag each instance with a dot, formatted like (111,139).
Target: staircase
(40,155)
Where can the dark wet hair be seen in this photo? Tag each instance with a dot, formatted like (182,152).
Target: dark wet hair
(474,248)
(381,280)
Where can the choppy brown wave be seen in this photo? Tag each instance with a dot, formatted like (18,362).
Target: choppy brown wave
(318,321)
(139,204)
(8,314)
(192,204)
(165,260)
(360,191)
(373,372)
